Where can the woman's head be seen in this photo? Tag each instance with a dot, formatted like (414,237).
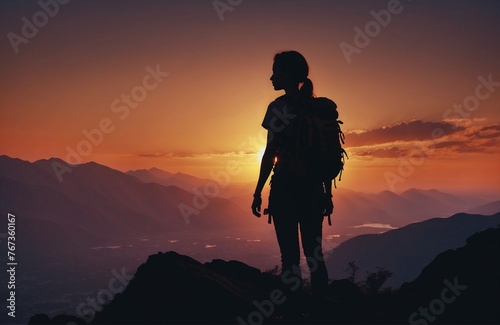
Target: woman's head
(290,69)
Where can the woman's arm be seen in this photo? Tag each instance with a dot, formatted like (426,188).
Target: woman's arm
(266,166)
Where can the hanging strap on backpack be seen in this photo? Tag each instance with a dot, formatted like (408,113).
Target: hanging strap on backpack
(343,155)
(269,216)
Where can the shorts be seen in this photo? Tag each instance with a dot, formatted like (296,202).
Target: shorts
(295,198)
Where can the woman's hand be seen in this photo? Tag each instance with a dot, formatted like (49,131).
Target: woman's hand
(266,166)
(256,205)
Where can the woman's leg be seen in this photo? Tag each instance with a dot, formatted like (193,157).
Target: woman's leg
(288,239)
(283,209)
(311,227)
(286,227)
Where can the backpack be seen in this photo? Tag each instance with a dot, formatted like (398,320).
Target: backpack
(317,144)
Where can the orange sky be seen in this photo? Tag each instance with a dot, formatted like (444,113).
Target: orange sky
(205,106)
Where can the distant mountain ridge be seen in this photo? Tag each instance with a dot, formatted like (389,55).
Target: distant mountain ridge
(95,199)
(156,175)
(405,251)
(352,208)
(187,182)
(106,205)
(487,209)
(398,210)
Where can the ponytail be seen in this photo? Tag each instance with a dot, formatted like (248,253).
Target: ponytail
(306,91)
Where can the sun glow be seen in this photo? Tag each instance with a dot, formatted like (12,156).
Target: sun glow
(260,154)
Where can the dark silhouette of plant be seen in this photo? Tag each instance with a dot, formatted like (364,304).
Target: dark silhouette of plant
(375,280)
(352,269)
(276,270)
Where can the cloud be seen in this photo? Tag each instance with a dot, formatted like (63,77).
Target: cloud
(163,155)
(437,138)
(392,152)
(443,138)
(489,132)
(415,130)
(447,145)
(172,155)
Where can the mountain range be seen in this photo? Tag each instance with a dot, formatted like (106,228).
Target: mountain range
(96,205)
(405,251)
(66,225)
(189,183)
(95,220)
(352,208)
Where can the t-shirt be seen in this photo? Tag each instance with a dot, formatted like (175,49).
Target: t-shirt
(279,115)
(278,120)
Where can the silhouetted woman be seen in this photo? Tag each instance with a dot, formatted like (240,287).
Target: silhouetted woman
(293,202)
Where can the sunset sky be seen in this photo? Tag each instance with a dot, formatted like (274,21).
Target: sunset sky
(419,97)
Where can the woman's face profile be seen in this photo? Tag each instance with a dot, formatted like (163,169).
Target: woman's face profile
(279,77)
